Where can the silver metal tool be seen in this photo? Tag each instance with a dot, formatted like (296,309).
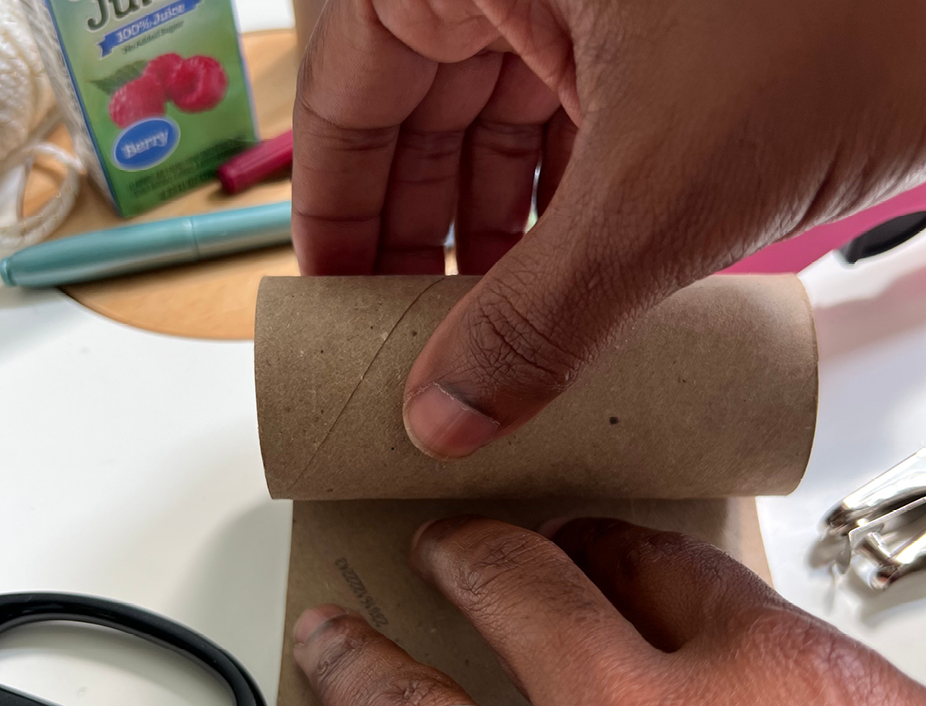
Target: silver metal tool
(885,522)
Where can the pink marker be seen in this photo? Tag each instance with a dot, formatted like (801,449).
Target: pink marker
(256,164)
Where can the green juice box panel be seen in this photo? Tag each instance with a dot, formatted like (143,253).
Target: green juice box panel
(155,92)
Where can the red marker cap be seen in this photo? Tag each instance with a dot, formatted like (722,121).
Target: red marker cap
(256,164)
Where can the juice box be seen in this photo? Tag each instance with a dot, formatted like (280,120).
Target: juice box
(154,92)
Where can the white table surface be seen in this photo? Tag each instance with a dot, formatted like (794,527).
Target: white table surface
(130,469)
(871,328)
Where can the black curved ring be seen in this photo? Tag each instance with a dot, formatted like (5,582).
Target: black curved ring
(23,608)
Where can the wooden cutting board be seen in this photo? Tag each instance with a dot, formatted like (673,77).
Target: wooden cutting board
(210,299)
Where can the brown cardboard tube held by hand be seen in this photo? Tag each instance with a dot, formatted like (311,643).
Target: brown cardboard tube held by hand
(713,393)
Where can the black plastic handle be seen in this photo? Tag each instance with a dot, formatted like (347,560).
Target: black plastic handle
(23,608)
(884,237)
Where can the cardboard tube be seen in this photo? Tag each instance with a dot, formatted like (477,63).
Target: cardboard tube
(713,393)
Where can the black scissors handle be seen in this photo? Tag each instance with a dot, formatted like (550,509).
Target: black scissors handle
(23,608)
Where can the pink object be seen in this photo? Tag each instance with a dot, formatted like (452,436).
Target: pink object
(795,254)
(257,163)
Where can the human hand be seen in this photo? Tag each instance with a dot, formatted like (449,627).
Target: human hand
(707,129)
(611,613)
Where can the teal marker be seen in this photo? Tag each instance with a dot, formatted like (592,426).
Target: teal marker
(146,246)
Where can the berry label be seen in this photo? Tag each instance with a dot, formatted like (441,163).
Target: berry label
(162,90)
(145,144)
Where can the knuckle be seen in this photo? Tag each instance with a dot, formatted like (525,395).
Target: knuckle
(783,632)
(648,548)
(812,654)
(423,688)
(305,78)
(717,579)
(495,564)
(495,572)
(516,344)
(358,663)
(431,157)
(511,140)
(328,126)
(344,644)
(778,625)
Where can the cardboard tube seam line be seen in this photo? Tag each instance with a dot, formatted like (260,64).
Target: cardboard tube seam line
(373,358)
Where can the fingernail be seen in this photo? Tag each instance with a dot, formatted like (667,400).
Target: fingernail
(443,426)
(549,528)
(420,531)
(311,620)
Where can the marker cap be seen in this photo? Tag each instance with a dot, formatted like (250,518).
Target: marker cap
(256,164)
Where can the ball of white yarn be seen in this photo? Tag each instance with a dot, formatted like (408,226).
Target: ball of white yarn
(25,93)
(26,113)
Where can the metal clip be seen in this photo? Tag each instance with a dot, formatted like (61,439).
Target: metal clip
(876,522)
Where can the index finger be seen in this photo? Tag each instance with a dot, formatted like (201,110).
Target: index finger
(357,84)
(548,623)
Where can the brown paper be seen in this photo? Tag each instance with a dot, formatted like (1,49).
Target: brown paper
(711,394)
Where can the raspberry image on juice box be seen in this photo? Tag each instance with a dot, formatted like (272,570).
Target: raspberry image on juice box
(155,92)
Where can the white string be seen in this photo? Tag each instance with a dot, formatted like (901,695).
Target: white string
(31,229)
(25,91)
(27,114)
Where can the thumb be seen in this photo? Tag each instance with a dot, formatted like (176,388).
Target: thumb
(527,330)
